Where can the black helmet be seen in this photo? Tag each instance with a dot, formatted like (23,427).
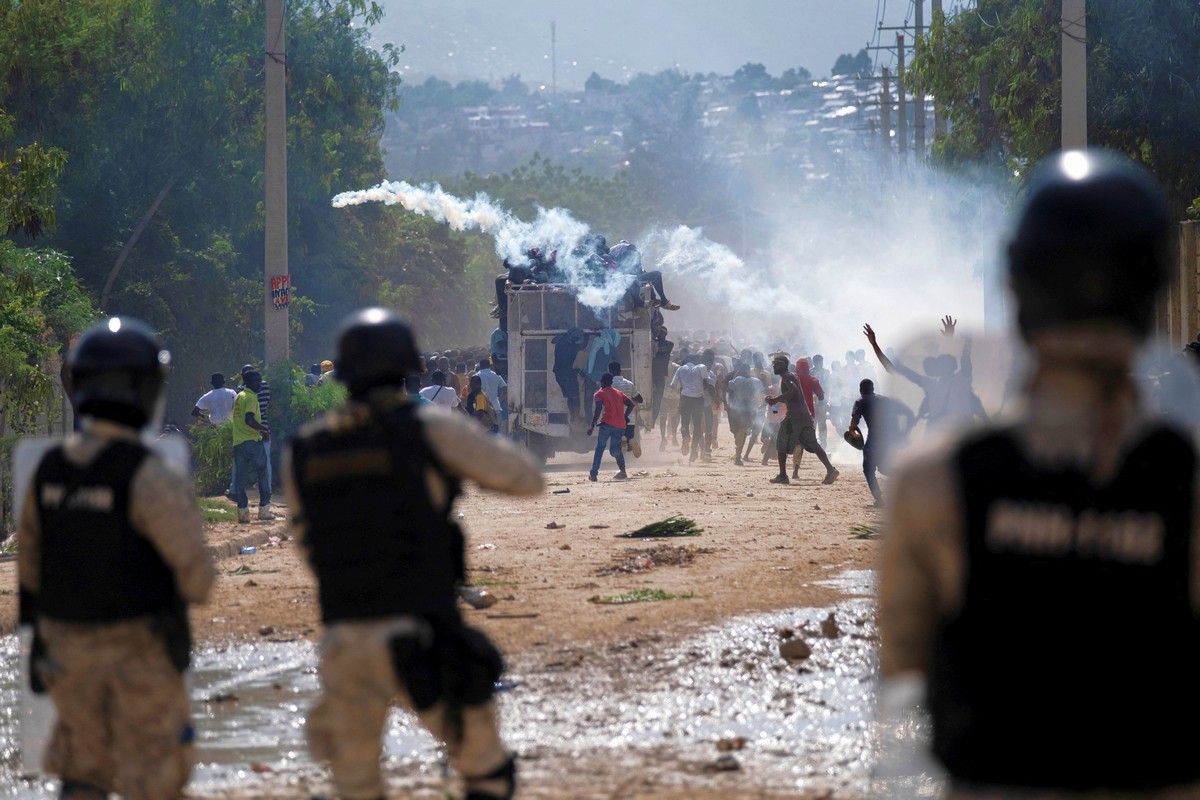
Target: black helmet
(375,348)
(117,371)
(1092,244)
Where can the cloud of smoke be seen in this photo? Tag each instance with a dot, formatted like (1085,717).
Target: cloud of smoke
(553,230)
(824,264)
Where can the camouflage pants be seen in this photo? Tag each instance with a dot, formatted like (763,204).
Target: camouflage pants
(359,686)
(122,708)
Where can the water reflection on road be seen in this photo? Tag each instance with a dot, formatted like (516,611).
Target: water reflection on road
(634,710)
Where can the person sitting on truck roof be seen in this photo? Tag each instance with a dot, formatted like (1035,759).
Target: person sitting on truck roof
(540,268)
(629,260)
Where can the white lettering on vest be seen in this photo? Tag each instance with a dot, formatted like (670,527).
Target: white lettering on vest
(1037,529)
(86,498)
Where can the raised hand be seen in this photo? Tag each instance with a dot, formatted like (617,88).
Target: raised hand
(948,324)
(870,334)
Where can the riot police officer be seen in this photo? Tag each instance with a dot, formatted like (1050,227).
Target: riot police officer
(112,550)
(371,488)
(1040,576)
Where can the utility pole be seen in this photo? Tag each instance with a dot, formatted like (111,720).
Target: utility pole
(1074,74)
(918,92)
(902,97)
(553,61)
(276,280)
(885,114)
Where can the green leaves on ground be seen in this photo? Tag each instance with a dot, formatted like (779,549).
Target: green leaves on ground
(671,526)
(640,596)
(864,532)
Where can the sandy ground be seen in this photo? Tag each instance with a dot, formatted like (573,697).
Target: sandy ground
(764,547)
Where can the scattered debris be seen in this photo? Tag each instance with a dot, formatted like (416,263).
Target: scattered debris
(829,627)
(259,767)
(597,527)
(725,763)
(245,570)
(794,649)
(486,546)
(555,526)
(639,596)
(222,697)
(266,630)
(735,743)
(561,491)
(639,560)
(671,526)
(816,507)
(749,494)
(250,583)
(512,616)
(564,547)
(476,598)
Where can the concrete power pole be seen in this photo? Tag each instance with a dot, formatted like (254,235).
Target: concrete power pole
(276,280)
(1074,74)
(885,115)
(902,99)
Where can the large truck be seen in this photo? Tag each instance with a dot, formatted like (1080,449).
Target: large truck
(537,410)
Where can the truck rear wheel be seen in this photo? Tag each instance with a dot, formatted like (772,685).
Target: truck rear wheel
(541,446)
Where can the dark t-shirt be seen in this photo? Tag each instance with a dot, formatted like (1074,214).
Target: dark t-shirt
(882,415)
(797,409)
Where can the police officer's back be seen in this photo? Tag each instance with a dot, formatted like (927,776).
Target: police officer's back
(371,487)
(1041,575)
(111,550)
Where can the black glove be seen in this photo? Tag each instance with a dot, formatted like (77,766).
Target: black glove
(37,654)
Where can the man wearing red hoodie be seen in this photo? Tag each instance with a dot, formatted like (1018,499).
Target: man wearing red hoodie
(812,392)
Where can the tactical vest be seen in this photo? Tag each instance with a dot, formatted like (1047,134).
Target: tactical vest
(1076,644)
(95,567)
(377,544)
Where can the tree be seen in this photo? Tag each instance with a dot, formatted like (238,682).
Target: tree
(752,78)
(158,107)
(513,89)
(858,64)
(793,77)
(595,83)
(996,73)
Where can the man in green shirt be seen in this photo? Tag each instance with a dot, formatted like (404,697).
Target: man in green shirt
(248,453)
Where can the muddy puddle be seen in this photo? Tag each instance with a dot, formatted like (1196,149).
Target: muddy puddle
(723,705)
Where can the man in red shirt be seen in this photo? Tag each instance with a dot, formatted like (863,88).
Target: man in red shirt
(813,393)
(610,408)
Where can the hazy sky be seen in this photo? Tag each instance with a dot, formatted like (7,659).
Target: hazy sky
(457,39)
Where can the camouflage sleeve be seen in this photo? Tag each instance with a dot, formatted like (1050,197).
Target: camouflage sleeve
(163,508)
(923,565)
(29,543)
(467,451)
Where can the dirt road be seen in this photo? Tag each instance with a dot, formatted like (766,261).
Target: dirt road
(586,667)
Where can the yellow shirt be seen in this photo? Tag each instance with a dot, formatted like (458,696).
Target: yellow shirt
(245,403)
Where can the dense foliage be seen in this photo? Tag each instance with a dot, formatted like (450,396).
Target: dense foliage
(144,123)
(996,73)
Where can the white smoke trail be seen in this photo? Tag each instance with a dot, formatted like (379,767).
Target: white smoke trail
(553,230)
(825,267)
